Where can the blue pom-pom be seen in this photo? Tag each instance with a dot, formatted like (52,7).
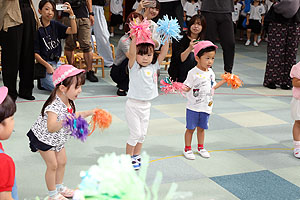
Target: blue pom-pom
(168,28)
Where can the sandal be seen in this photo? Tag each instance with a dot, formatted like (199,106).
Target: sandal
(67,192)
(57,197)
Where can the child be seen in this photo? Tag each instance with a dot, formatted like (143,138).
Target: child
(295,107)
(236,13)
(255,19)
(8,187)
(200,85)
(47,134)
(143,65)
(116,9)
(47,46)
(191,8)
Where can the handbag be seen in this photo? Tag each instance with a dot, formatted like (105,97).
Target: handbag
(39,71)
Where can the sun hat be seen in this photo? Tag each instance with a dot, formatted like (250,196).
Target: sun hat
(3,93)
(63,72)
(202,45)
(142,40)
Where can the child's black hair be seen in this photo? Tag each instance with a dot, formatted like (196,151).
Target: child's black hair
(80,80)
(206,50)
(7,108)
(43,2)
(144,48)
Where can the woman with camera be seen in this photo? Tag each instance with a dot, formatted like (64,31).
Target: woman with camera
(47,46)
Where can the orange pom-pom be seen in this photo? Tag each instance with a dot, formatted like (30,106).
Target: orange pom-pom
(101,118)
(232,80)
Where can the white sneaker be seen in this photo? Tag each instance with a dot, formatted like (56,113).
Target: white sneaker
(297,153)
(204,153)
(259,40)
(247,43)
(121,27)
(112,34)
(189,154)
(255,44)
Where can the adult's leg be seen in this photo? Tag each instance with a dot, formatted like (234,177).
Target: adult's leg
(211,32)
(27,53)
(11,50)
(227,40)
(102,36)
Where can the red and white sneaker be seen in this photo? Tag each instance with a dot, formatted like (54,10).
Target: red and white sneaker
(297,153)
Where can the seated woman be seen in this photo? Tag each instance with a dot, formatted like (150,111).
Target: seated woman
(47,45)
(119,70)
(183,59)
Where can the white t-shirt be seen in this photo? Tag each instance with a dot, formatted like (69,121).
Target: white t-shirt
(116,7)
(191,9)
(236,13)
(256,12)
(143,82)
(199,97)
(40,130)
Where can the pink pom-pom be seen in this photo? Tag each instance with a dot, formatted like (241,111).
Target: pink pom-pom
(169,86)
(141,31)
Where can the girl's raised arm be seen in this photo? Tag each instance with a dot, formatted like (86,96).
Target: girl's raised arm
(163,52)
(132,52)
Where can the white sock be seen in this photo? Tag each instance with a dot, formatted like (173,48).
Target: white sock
(52,193)
(59,187)
(296,144)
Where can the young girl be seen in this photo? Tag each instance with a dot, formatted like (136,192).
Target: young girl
(47,46)
(295,108)
(143,65)
(47,135)
(200,85)
(255,19)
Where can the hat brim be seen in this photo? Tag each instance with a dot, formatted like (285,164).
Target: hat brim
(73,73)
(3,93)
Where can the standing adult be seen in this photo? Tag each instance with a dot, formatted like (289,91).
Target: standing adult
(172,8)
(101,33)
(283,40)
(219,25)
(84,20)
(183,59)
(18,22)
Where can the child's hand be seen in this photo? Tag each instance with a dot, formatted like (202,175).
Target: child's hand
(186,88)
(69,9)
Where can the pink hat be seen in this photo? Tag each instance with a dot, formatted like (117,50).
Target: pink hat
(3,93)
(202,45)
(63,72)
(142,40)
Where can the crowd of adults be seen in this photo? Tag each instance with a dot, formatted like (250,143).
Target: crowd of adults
(19,24)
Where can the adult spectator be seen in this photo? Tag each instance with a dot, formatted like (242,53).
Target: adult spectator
(84,20)
(18,22)
(119,70)
(283,40)
(183,59)
(219,25)
(101,33)
(172,8)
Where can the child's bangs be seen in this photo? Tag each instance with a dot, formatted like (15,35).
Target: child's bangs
(145,48)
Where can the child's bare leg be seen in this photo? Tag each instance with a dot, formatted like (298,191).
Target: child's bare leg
(296,130)
(188,136)
(255,37)
(248,34)
(200,135)
(129,149)
(137,149)
(61,164)
(51,162)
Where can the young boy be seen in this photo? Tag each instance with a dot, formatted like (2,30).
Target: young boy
(8,188)
(200,86)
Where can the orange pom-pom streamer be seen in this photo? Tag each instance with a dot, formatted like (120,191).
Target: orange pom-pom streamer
(102,119)
(232,80)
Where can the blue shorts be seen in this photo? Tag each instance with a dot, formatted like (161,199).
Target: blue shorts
(196,119)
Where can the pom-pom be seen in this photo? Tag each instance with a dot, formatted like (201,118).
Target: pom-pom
(169,86)
(141,31)
(232,80)
(77,126)
(168,28)
(102,119)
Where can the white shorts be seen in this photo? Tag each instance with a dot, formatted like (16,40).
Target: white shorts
(295,109)
(137,116)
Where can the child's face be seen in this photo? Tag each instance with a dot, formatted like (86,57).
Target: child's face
(151,13)
(6,128)
(47,11)
(73,92)
(206,60)
(196,28)
(146,59)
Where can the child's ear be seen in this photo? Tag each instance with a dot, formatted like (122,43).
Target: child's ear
(63,88)
(197,58)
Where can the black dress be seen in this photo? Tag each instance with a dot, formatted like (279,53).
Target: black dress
(178,70)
